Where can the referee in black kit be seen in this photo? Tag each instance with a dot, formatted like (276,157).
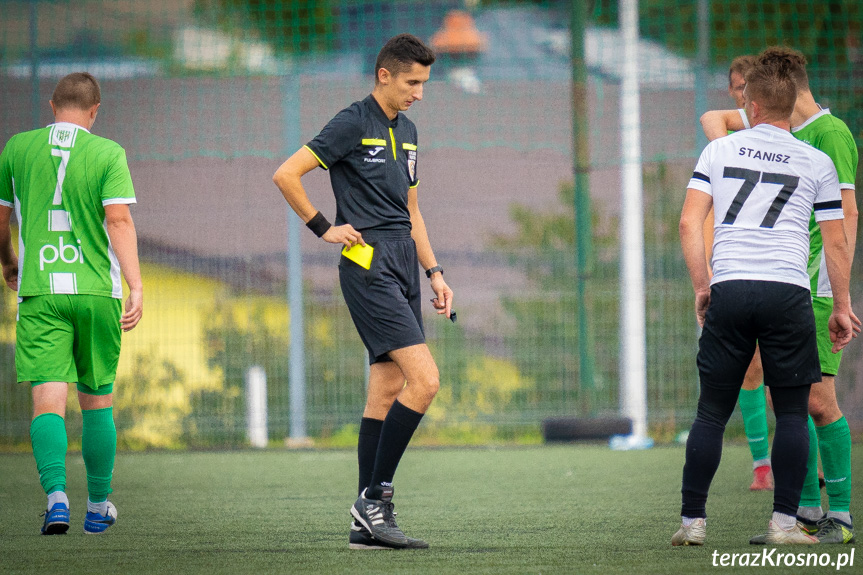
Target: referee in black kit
(370,150)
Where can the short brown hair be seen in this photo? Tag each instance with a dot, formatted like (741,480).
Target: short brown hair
(77,90)
(400,52)
(792,59)
(772,85)
(741,65)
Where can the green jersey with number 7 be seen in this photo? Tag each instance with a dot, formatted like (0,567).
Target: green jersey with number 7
(59,180)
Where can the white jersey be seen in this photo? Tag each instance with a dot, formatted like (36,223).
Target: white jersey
(765,184)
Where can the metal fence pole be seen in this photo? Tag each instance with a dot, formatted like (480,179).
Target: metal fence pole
(297,376)
(583,231)
(702,67)
(256,406)
(34,63)
(633,353)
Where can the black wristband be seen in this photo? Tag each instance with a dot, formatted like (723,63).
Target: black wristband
(318,224)
(434,270)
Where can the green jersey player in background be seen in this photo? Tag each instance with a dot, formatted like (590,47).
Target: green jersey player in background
(71,192)
(828,430)
(737,77)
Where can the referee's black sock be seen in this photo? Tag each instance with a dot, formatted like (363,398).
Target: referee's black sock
(367,449)
(396,433)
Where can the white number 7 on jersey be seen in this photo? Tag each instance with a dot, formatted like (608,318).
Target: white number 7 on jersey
(61,173)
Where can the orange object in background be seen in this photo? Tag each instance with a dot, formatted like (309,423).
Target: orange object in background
(458,35)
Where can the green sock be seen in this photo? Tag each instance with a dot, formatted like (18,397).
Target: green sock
(811,494)
(753,407)
(99,446)
(834,442)
(48,435)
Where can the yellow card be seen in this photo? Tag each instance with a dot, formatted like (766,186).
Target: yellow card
(362,255)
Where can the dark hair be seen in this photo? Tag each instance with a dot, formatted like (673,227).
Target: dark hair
(772,85)
(740,65)
(793,60)
(400,52)
(77,90)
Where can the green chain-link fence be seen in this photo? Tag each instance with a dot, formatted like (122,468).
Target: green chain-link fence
(209,96)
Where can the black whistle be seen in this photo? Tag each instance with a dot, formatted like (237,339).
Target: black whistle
(452,316)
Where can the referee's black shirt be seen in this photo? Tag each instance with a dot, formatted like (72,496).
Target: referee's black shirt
(372,163)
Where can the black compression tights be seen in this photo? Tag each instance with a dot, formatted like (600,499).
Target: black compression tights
(704,446)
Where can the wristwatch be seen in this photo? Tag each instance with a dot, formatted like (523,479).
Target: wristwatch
(434,270)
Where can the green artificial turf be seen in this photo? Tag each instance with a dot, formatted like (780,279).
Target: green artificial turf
(560,509)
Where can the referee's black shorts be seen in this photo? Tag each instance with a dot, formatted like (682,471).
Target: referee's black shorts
(384,300)
(778,316)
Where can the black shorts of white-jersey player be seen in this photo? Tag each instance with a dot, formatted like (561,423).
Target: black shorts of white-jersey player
(370,150)
(759,292)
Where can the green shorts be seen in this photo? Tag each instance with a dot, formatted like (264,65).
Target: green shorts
(823,307)
(69,338)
